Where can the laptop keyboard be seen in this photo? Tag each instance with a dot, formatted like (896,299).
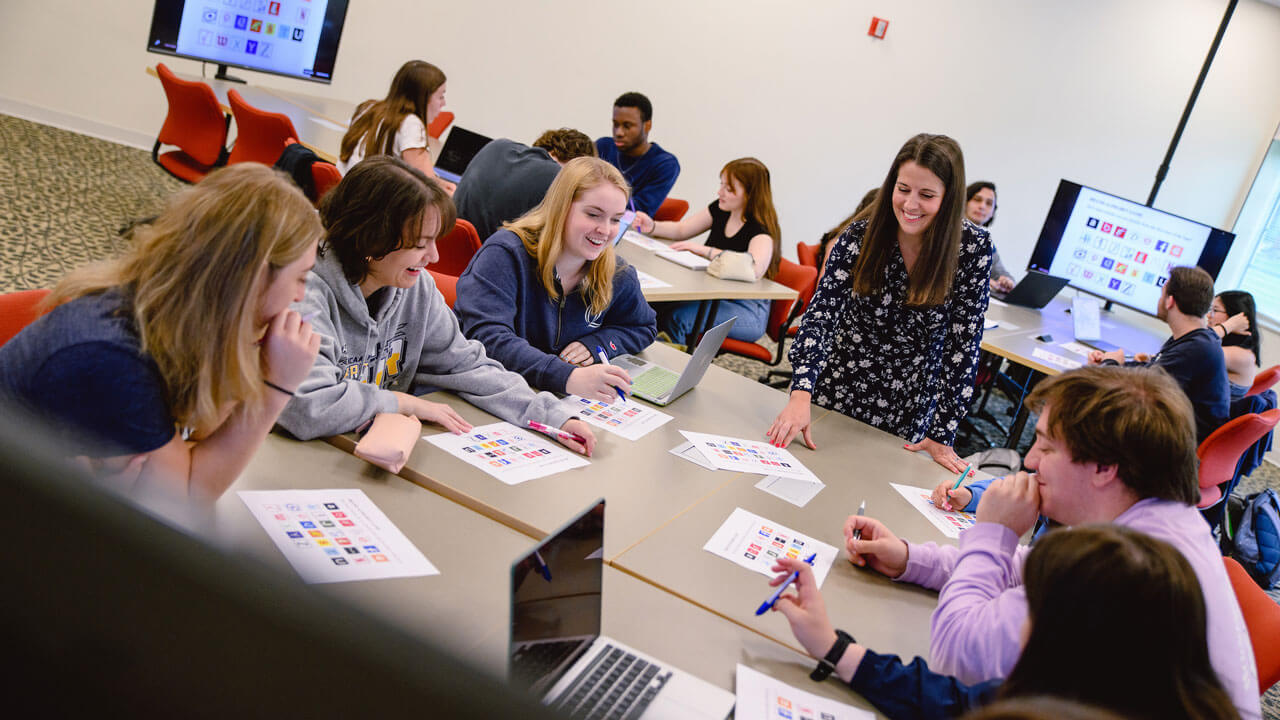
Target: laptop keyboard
(616,686)
(534,662)
(655,382)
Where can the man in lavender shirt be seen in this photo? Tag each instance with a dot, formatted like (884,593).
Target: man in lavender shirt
(1113,444)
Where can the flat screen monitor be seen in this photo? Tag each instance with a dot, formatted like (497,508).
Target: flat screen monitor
(1121,250)
(295,38)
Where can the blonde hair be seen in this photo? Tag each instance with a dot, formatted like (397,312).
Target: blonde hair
(542,229)
(192,281)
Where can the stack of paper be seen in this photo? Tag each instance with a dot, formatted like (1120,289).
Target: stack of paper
(785,476)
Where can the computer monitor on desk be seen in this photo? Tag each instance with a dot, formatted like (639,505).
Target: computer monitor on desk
(1120,250)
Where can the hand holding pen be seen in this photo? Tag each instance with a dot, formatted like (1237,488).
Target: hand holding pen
(767,605)
(948,495)
(604,359)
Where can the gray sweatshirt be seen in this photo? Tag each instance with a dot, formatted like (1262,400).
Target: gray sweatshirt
(410,344)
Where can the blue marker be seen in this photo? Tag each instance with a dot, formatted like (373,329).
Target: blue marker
(605,359)
(768,604)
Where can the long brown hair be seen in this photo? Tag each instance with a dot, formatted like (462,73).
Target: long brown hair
(1118,620)
(193,278)
(930,279)
(377,121)
(542,229)
(753,176)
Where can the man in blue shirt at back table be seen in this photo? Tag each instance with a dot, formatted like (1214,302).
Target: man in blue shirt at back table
(650,169)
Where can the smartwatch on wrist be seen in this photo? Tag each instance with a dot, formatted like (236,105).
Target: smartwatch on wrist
(827,664)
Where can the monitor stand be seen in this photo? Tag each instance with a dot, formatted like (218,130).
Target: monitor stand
(222,75)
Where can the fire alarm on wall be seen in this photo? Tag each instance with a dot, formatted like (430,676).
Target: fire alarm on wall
(878,27)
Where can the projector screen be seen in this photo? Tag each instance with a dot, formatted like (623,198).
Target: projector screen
(1121,250)
(297,38)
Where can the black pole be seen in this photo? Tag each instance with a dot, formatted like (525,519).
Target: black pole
(1191,102)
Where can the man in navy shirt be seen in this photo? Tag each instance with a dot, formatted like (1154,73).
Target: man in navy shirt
(650,169)
(1193,354)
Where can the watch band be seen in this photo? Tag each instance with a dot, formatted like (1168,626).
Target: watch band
(827,664)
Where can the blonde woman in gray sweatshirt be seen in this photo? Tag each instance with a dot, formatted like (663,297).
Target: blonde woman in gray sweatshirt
(387,332)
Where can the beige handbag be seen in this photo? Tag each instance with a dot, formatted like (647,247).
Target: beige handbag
(731,265)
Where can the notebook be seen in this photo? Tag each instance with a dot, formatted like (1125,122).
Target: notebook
(661,386)
(557,651)
(459,148)
(685,258)
(1035,290)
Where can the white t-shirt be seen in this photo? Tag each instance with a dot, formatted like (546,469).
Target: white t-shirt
(412,134)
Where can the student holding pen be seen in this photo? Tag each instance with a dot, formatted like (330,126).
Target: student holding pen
(387,332)
(545,291)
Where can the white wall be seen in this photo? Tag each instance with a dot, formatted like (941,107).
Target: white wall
(1089,90)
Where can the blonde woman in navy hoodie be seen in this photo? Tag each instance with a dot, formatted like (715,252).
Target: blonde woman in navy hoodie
(546,291)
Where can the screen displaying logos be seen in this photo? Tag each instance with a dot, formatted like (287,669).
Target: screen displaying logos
(298,38)
(1121,250)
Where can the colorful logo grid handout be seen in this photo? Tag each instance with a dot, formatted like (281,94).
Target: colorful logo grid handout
(508,453)
(335,535)
(749,456)
(950,523)
(761,697)
(756,543)
(626,419)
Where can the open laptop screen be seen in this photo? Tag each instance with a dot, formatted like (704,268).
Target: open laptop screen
(459,148)
(556,600)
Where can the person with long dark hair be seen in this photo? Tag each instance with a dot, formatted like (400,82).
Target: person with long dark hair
(1115,619)
(1234,316)
(891,336)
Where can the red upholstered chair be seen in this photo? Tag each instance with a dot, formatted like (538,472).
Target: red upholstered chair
(782,313)
(440,124)
(18,310)
(325,175)
(1264,380)
(456,249)
(195,125)
(260,135)
(447,285)
(808,254)
(1220,452)
(671,209)
(1262,617)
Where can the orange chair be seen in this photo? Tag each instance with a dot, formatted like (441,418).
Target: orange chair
(1264,380)
(18,310)
(671,209)
(447,285)
(782,313)
(456,249)
(1262,617)
(325,175)
(260,135)
(440,124)
(195,124)
(808,254)
(1220,453)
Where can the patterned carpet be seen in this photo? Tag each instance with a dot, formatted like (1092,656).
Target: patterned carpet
(64,197)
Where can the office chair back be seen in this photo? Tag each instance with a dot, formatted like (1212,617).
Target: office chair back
(325,175)
(196,125)
(808,254)
(1220,453)
(456,249)
(671,209)
(1262,618)
(440,124)
(1264,380)
(260,135)
(18,310)
(447,285)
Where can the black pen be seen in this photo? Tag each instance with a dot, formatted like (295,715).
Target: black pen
(857,534)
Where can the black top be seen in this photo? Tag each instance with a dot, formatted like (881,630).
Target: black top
(740,240)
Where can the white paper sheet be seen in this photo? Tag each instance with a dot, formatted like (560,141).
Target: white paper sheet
(748,540)
(1077,348)
(687,451)
(997,302)
(508,453)
(630,419)
(761,697)
(950,523)
(685,258)
(796,492)
(643,241)
(1055,359)
(648,281)
(335,535)
(751,456)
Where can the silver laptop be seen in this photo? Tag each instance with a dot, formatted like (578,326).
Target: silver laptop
(558,654)
(661,386)
(459,148)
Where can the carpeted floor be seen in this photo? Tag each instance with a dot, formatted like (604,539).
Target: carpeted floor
(64,197)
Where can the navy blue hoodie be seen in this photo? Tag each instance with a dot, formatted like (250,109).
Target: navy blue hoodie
(502,303)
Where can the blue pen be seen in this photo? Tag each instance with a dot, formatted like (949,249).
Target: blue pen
(605,359)
(783,588)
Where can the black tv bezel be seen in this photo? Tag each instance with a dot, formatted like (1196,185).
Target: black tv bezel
(346,4)
(1064,200)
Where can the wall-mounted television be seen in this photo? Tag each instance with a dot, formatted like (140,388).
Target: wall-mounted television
(295,38)
(1121,250)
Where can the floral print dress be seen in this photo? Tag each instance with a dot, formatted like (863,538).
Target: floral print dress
(905,370)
